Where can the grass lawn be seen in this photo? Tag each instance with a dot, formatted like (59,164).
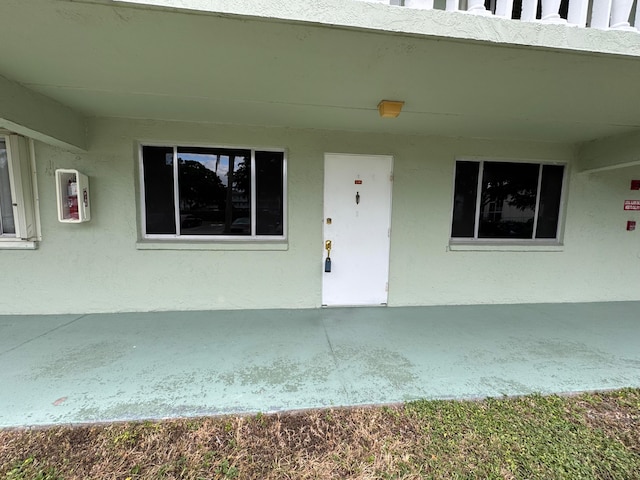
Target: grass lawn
(588,436)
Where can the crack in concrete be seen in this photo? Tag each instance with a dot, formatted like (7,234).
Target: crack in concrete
(335,360)
(43,334)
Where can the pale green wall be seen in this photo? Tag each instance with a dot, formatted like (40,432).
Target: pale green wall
(29,113)
(96,267)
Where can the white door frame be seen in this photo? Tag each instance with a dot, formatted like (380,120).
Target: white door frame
(361,231)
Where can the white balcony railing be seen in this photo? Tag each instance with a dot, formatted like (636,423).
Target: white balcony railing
(601,14)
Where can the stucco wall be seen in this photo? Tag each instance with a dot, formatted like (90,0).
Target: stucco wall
(438,23)
(96,267)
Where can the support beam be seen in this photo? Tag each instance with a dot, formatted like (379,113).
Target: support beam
(39,117)
(611,153)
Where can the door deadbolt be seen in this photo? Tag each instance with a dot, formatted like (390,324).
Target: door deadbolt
(327,245)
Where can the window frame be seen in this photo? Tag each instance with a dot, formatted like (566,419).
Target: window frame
(23,192)
(471,241)
(212,239)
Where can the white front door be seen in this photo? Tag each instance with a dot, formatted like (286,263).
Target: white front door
(357,221)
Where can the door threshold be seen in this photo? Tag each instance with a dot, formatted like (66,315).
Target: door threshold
(355,306)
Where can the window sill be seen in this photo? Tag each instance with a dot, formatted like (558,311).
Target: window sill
(506,247)
(209,245)
(17,245)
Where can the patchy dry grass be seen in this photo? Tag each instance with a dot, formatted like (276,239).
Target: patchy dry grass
(590,436)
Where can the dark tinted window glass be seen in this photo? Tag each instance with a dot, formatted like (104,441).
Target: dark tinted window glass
(508,200)
(550,193)
(464,201)
(215,191)
(238,204)
(158,190)
(269,193)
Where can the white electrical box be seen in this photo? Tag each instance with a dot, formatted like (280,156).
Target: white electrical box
(72,196)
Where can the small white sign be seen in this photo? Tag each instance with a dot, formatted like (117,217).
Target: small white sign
(632,204)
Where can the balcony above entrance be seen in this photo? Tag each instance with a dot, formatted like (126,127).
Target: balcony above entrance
(600,14)
(603,26)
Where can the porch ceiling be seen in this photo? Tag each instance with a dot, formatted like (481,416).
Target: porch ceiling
(119,60)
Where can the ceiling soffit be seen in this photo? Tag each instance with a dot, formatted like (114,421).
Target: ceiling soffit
(145,63)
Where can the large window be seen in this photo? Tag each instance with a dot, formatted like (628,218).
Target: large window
(7,223)
(204,192)
(507,201)
(18,216)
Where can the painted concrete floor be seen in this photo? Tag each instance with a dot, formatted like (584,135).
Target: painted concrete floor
(101,367)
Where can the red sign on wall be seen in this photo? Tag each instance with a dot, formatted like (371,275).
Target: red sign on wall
(632,204)
(635,184)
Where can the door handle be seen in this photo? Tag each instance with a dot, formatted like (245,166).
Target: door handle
(327,262)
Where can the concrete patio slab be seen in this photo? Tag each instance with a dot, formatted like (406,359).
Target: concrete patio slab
(128,366)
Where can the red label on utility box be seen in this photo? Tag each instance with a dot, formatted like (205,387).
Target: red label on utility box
(358,182)
(635,184)
(632,204)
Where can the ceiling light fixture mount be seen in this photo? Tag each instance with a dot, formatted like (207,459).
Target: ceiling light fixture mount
(390,108)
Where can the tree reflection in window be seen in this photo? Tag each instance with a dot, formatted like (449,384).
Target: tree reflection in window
(506,200)
(215,191)
(212,193)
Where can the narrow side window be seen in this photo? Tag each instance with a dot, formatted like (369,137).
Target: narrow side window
(7,223)
(19,227)
(465,199)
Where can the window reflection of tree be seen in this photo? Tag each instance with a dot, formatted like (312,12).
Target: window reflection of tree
(239,182)
(508,200)
(199,187)
(214,185)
